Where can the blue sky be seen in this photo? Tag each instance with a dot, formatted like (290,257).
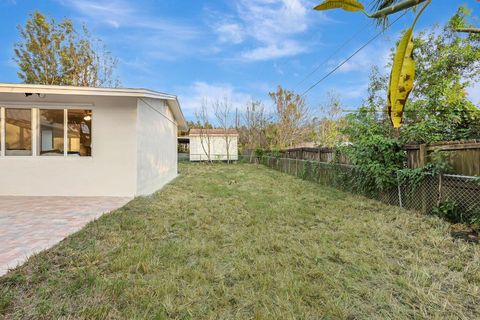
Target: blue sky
(241,49)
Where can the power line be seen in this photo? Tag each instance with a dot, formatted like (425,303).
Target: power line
(337,50)
(351,56)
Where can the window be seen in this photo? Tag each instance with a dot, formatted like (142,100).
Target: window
(18,132)
(51,132)
(2,125)
(45,132)
(80,132)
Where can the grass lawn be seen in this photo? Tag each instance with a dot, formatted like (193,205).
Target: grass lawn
(246,242)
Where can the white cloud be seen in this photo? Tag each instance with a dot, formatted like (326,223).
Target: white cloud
(192,97)
(230,32)
(113,13)
(355,91)
(271,51)
(272,25)
(364,60)
(269,20)
(119,13)
(474,93)
(136,25)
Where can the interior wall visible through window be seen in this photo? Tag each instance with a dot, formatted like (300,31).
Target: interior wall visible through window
(18,132)
(45,132)
(79,133)
(52,128)
(1,129)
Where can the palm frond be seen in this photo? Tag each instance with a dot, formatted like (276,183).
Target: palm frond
(380,5)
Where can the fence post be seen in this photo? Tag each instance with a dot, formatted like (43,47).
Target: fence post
(422,155)
(296,167)
(440,191)
(423,193)
(399,187)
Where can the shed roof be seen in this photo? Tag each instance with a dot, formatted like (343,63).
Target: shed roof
(172,100)
(196,131)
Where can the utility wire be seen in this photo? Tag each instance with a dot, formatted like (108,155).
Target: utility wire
(351,56)
(337,50)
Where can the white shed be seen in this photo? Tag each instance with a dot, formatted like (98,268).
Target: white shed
(79,141)
(222,145)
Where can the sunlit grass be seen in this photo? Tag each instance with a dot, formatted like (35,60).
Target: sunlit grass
(246,242)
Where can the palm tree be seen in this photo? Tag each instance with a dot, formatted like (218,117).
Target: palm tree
(383,8)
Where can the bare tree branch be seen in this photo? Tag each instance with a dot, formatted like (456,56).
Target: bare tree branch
(205,138)
(223,114)
(468,30)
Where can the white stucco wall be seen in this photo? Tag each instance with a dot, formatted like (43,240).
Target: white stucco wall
(156,146)
(218,148)
(110,171)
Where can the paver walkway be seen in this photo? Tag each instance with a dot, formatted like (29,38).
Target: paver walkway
(29,225)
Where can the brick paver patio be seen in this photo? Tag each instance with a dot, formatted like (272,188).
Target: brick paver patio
(29,225)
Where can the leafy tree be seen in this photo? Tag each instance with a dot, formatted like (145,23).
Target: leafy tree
(403,67)
(327,129)
(447,64)
(253,132)
(58,54)
(374,147)
(371,118)
(291,116)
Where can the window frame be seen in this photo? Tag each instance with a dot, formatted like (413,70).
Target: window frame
(92,148)
(35,108)
(2,131)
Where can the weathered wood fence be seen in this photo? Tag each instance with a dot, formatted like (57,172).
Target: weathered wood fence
(463,156)
(315,154)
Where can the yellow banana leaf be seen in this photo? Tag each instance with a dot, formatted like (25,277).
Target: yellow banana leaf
(348,5)
(402,75)
(401,79)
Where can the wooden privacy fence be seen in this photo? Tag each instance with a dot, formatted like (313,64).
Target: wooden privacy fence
(315,154)
(462,156)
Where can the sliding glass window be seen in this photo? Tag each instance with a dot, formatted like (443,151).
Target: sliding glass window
(45,132)
(18,132)
(79,132)
(2,125)
(52,131)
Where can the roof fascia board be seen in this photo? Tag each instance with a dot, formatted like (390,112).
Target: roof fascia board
(172,100)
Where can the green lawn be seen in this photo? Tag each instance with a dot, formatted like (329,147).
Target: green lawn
(246,242)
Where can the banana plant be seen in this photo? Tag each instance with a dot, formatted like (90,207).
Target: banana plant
(402,76)
(385,7)
(347,5)
(403,69)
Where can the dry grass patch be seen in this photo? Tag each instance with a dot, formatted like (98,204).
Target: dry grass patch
(245,242)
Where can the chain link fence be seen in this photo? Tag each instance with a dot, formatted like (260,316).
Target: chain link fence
(441,194)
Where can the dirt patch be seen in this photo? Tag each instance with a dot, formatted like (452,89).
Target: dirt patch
(465,232)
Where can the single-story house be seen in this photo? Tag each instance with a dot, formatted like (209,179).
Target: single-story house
(220,144)
(80,141)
